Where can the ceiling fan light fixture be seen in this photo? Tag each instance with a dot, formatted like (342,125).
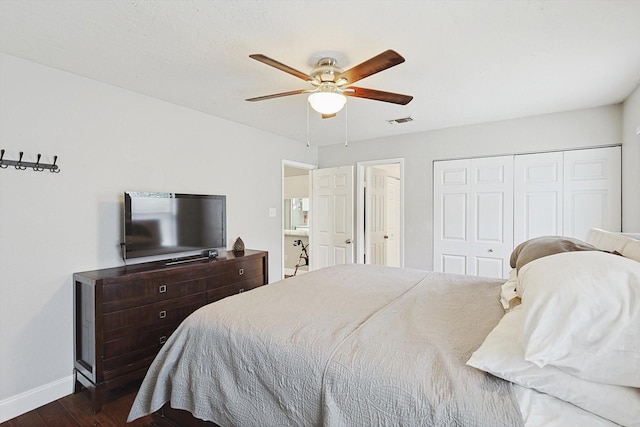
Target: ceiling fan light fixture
(327,102)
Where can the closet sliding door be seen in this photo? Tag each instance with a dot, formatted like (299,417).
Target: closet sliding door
(473,214)
(566,193)
(485,207)
(538,196)
(592,191)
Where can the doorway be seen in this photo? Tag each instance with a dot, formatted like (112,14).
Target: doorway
(296,211)
(380,212)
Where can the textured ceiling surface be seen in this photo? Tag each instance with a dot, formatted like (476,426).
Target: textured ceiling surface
(467,62)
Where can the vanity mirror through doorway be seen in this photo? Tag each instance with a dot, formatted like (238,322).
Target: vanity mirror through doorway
(296,212)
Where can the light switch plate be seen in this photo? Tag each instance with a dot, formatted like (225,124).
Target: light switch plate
(272,212)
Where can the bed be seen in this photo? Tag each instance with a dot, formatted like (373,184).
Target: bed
(369,345)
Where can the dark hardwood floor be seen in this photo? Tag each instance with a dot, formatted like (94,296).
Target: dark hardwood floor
(75,410)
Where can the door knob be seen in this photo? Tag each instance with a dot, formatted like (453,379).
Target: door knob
(348,241)
(386,237)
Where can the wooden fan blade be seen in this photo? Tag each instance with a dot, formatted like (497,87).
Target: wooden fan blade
(378,95)
(328,116)
(277,95)
(386,59)
(280,66)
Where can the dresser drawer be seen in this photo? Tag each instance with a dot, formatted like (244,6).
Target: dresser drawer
(235,288)
(158,314)
(116,366)
(138,340)
(132,294)
(236,271)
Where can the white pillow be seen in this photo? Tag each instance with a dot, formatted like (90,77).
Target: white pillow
(582,315)
(540,409)
(632,250)
(508,296)
(624,244)
(501,355)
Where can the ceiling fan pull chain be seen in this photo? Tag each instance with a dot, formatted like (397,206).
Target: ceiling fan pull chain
(307,123)
(346,123)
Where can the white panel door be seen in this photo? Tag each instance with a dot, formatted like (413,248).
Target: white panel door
(332,217)
(375,216)
(592,190)
(473,216)
(484,207)
(451,191)
(538,192)
(393,222)
(491,216)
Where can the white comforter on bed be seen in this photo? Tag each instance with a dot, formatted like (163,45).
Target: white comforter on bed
(347,345)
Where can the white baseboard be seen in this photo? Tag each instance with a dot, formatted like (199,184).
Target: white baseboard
(35,398)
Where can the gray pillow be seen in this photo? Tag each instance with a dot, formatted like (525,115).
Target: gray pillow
(540,247)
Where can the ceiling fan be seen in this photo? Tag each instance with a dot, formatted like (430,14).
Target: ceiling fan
(331,83)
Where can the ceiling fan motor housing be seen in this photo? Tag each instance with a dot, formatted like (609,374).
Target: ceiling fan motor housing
(326,71)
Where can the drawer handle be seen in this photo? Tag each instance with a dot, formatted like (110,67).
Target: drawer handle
(163,314)
(163,339)
(162,289)
(241,271)
(241,290)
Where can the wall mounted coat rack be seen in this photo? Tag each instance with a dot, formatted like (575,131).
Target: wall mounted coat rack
(36,166)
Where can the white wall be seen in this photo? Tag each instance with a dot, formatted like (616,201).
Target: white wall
(631,163)
(575,129)
(108,140)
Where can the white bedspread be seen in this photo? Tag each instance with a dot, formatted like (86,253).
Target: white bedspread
(347,345)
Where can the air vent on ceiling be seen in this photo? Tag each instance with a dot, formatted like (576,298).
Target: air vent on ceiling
(401,120)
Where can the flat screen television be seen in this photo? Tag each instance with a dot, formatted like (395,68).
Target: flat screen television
(173,225)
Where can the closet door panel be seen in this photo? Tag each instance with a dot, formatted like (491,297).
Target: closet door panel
(489,217)
(455,264)
(538,184)
(592,190)
(586,209)
(473,217)
(491,221)
(450,212)
(454,215)
(489,267)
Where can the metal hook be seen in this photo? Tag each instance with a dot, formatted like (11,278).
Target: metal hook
(37,166)
(54,168)
(19,163)
(1,157)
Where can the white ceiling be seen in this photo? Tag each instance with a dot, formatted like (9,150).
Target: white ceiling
(466,61)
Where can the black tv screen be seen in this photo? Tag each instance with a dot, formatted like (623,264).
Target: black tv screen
(173,224)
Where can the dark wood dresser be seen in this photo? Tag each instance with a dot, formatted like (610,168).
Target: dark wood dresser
(124,315)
